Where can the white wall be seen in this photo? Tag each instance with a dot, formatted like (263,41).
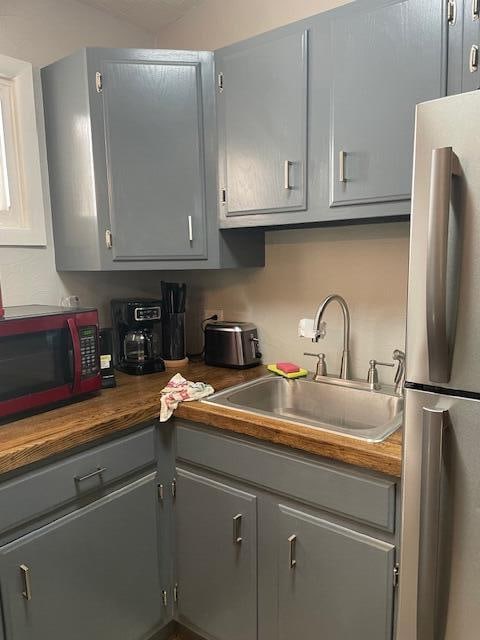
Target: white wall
(41,31)
(367,264)
(217,23)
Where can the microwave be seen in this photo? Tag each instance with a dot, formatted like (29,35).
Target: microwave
(47,355)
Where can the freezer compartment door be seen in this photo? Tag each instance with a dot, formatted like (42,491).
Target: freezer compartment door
(439,587)
(443,320)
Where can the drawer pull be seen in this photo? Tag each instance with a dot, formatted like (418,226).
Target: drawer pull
(97,472)
(292,551)
(237,528)
(27,592)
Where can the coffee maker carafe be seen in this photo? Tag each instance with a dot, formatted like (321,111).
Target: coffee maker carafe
(137,336)
(137,346)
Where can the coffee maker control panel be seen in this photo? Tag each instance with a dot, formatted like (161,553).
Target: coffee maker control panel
(147,313)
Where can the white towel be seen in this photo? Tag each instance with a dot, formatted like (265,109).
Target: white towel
(181,390)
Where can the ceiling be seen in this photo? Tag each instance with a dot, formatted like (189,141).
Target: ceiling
(151,15)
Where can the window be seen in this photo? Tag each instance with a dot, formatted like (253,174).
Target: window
(10,179)
(22,219)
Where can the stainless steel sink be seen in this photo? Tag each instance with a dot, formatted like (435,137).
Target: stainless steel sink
(359,413)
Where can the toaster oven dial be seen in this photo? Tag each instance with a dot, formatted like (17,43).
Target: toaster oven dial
(89,351)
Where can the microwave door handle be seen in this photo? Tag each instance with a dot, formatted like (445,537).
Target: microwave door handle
(444,165)
(77,355)
(433,441)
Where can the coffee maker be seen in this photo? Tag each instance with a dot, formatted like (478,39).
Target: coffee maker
(137,335)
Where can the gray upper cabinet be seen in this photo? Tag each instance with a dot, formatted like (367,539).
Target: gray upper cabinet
(369,63)
(333,583)
(155,159)
(91,574)
(131,148)
(463,45)
(385,61)
(216,558)
(262,122)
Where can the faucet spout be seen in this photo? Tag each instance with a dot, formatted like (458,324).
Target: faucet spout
(320,332)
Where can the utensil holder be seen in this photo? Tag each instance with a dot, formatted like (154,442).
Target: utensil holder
(173,336)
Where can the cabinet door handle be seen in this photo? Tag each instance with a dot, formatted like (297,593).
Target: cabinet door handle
(452,12)
(27,592)
(475,9)
(237,528)
(190,229)
(286,174)
(341,166)
(92,474)
(473,63)
(292,551)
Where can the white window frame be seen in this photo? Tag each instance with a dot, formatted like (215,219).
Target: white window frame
(23,224)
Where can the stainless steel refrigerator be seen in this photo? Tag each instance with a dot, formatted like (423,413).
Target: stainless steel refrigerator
(439,586)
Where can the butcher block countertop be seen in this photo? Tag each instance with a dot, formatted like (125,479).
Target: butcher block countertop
(135,400)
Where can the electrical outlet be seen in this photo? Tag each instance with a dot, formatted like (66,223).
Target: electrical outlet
(212,312)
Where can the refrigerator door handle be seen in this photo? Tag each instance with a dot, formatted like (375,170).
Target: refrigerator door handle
(434,424)
(444,166)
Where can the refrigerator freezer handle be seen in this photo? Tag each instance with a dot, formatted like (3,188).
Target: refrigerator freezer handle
(434,424)
(444,165)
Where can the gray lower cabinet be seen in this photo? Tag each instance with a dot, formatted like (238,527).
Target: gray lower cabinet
(262,121)
(132,154)
(91,574)
(333,582)
(299,525)
(216,540)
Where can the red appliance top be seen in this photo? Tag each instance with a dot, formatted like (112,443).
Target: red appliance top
(40,311)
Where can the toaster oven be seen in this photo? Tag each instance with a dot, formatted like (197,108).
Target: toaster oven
(232,344)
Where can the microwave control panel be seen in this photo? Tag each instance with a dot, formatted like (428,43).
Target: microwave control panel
(89,351)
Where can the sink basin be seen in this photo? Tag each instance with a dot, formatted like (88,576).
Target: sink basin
(355,412)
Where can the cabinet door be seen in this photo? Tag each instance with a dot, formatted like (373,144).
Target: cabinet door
(155,158)
(216,558)
(385,60)
(92,574)
(333,582)
(471,45)
(262,124)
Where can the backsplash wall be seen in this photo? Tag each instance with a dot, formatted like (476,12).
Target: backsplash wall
(365,264)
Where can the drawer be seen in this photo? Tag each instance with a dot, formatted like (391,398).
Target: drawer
(38,492)
(361,496)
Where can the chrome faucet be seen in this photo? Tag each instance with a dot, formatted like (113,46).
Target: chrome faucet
(319,330)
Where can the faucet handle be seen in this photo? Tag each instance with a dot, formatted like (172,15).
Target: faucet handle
(321,370)
(375,363)
(372,376)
